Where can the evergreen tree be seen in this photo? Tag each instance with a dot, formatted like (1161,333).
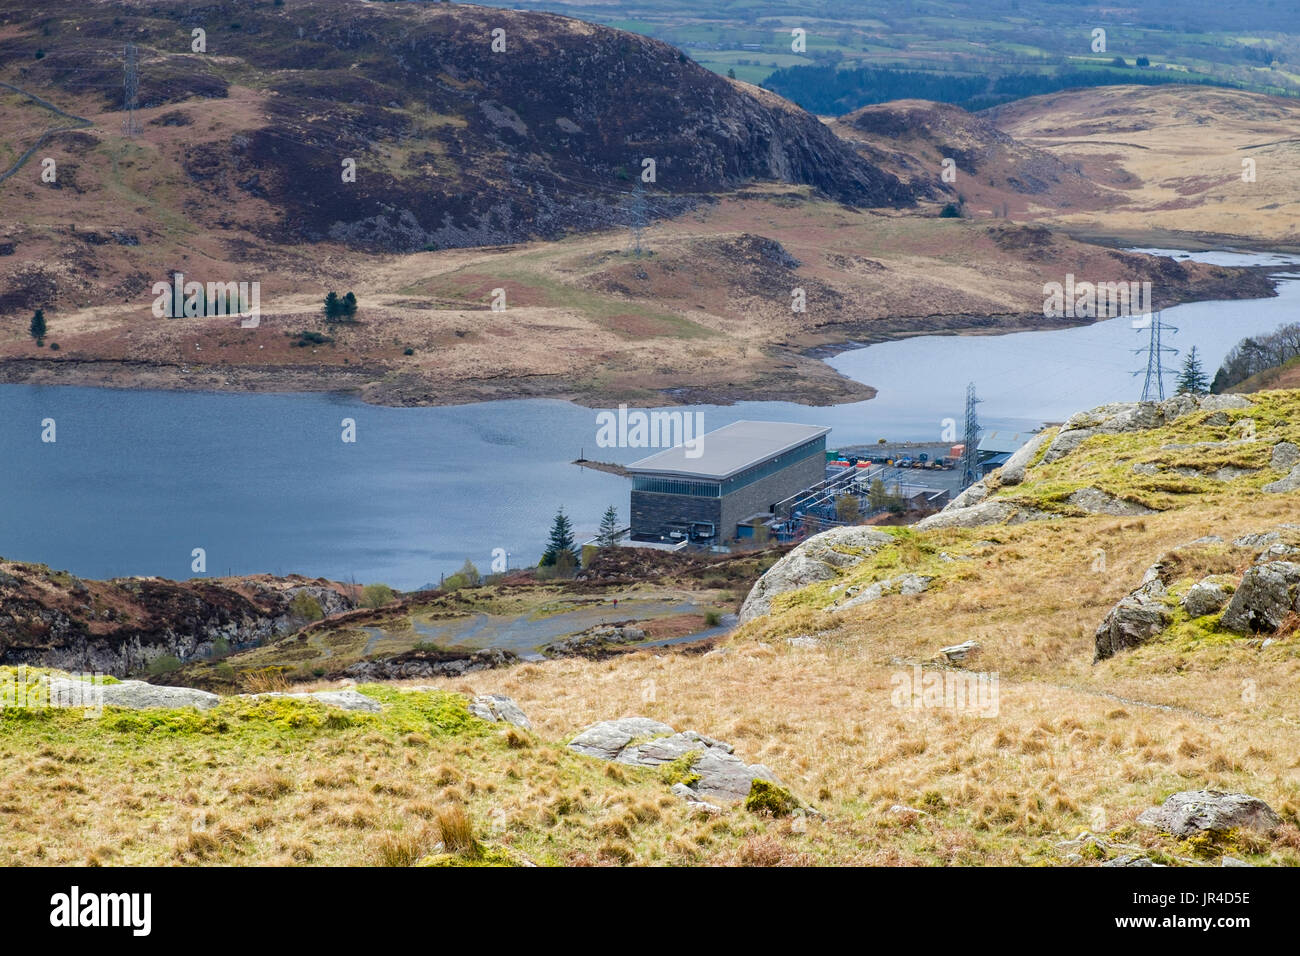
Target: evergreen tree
(333,307)
(38,326)
(561,541)
(608,534)
(1192,378)
(349,306)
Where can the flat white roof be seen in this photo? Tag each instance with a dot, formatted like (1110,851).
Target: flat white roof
(729,450)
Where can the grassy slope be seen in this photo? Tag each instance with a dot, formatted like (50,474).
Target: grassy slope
(1073,746)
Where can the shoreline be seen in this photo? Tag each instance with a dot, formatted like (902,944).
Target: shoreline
(804,378)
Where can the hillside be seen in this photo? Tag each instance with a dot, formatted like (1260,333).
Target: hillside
(499,178)
(995,174)
(1130,587)
(1172,160)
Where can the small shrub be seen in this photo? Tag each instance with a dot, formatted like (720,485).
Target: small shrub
(712,618)
(377,595)
(769,799)
(408,351)
(163,664)
(306,607)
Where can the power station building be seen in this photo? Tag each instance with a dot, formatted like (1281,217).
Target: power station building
(702,491)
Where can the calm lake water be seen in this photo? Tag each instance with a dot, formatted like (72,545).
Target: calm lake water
(137,480)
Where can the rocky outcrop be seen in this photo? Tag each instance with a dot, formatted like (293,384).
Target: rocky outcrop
(1097,502)
(607,739)
(714,770)
(820,558)
(1197,811)
(1265,598)
(1013,472)
(1134,416)
(429,663)
(984,513)
(857,595)
(135,694)
(1290,483)
(1136,618)
(1268,593)
(593,641)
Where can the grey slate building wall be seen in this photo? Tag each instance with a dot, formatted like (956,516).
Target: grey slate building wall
(653,512)
(765,492)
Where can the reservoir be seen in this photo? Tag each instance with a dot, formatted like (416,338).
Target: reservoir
(137,480)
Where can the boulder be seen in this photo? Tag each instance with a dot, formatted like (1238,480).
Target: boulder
(1205,597)
(820,558)
(971,496)
(1266,595)
(1013,472)
(984,513)
(692,800)
(958,653)
(903,584)
(607,739)
(1196,811)
(1286,455)
(135,695)
(497,708)
(719,773)
(1290,483)
(1132,621)
(1131,859)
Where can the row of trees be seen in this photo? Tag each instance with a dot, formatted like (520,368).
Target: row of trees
(340,309)
(833,91)
(1251,356)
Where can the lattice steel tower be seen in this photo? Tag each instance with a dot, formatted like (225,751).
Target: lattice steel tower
(970,454)
(1153,389)
(131,87)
